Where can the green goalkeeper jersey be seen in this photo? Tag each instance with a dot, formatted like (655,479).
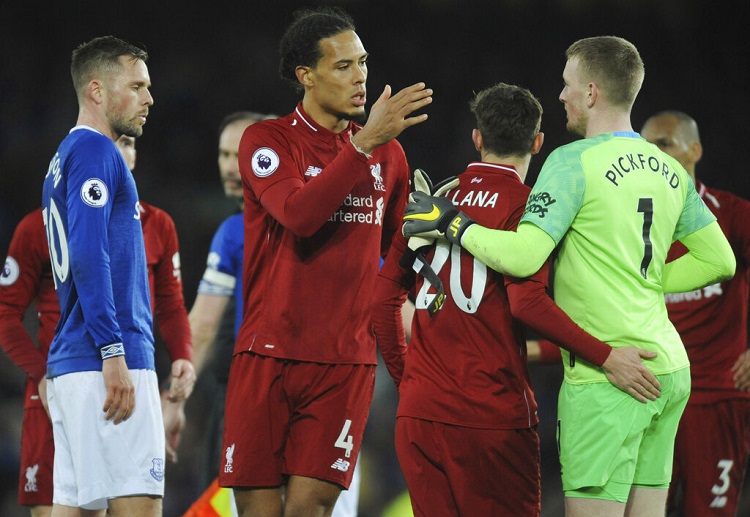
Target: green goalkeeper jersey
(613,205)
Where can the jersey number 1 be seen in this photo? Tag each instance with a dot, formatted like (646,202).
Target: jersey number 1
(646,207)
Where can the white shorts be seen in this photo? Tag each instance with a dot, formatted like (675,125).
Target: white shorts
(96,460)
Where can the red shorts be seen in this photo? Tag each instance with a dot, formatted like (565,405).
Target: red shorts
(710,457)
(37,452)
(286,418)
(453,470)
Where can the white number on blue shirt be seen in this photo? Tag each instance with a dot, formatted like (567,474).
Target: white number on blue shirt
(54,227)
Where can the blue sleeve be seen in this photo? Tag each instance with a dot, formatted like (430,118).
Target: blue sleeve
(92,185)
(224,263)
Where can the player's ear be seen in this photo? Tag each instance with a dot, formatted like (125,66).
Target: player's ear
(538,141)
(476,137)
(305,75)
(696,152)
(95,91)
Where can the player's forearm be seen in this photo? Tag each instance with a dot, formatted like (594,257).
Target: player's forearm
(709,260)
(204,318)
(174,328)
(19,346)
(305,207)
(521,253)
(530,304)
(388,326)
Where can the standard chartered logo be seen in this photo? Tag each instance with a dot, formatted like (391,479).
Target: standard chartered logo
(360,209)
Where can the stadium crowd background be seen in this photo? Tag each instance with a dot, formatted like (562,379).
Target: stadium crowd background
(220,57)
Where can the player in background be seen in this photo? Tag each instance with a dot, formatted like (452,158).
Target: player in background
(467,414)
(323,196)
(612,204)
(27,280)
(713,439)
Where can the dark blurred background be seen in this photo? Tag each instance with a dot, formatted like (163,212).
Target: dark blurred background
(206,62)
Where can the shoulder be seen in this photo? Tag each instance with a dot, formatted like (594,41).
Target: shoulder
(276,126)
(31,223)
(232,228)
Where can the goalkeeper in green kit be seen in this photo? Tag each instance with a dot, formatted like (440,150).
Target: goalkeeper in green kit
(612,204)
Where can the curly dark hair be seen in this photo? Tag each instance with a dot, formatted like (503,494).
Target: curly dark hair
(300,44)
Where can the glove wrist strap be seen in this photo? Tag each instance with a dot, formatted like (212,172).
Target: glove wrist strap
(457,227)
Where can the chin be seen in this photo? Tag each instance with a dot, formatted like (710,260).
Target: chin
(359,115)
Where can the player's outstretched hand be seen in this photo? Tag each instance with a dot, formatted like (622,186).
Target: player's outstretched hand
(625,369)
(120,402)
(390,115)
(741,370)
(182,380)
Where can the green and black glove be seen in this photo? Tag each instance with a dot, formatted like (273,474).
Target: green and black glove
(432,217)
(414,256)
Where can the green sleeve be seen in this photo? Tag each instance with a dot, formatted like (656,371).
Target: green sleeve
(521,253)
(710,259)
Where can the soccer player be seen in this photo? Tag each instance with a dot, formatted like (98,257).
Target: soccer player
(323,196)
(102,389)
(27,278)
(713,439)
(467,414)
(612,204)
(221,284)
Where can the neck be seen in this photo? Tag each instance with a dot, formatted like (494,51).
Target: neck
(91,119)
(324,118)
(520,163)
(608,122)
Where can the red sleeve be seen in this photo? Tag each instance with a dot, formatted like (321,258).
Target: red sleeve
(397,202)
(19,285)
(548,352)
(304,207)
(170,311)
(391,289)
(531,304)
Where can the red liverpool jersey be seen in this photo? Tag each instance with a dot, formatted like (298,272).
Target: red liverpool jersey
(467,364)
(317,216)
(165,281)
(712,321)
(27,278)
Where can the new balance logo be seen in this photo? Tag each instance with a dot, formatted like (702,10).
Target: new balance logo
(476,180)
(341,465)
(313,171)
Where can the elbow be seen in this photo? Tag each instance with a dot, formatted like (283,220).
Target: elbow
(518,269)
(301,228)
(728,268)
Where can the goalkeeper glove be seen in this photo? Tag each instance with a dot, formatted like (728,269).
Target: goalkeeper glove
(415,258)
(430,216)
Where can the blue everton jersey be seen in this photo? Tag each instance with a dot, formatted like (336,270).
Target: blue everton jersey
(90,206)
(223,275)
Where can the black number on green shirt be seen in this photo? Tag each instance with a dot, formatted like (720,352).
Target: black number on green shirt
(646,207)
